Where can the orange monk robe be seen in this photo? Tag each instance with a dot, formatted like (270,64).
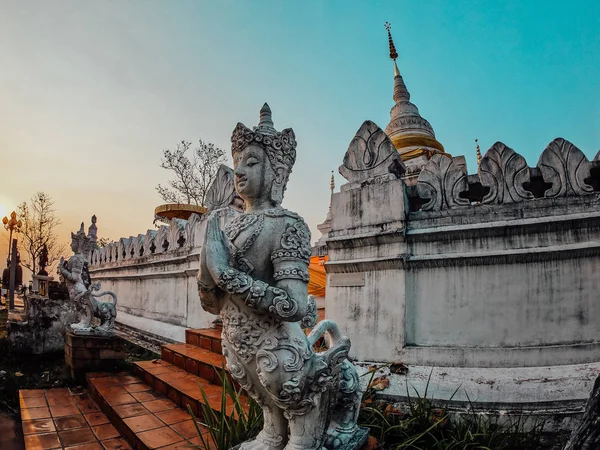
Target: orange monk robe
(318,278)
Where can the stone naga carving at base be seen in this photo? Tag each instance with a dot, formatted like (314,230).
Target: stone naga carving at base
(81,289)
(254,273)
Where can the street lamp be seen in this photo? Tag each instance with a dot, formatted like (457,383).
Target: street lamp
(12,224)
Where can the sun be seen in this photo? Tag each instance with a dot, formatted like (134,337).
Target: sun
(4,210)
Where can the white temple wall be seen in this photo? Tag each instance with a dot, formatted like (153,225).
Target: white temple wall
(372,315)
(504,305)
(157,291)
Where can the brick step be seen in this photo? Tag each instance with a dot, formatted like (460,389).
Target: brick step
(195,360)
(145,417)
(206,338)
(180,386)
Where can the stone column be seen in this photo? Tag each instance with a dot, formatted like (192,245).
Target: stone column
(367,248)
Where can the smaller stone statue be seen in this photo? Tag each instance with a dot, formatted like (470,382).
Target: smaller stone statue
(43,261)
(81,289)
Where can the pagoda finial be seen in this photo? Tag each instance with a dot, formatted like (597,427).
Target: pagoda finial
(478,151)
(331,187)
(393,52)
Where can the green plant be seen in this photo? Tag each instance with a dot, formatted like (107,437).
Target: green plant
(423,425)
(238,419)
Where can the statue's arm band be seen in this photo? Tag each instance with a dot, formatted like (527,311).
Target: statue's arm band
(258,294)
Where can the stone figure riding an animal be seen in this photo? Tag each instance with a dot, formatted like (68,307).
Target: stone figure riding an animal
(254,273)
(81,289)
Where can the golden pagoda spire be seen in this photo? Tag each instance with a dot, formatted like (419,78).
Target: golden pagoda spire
(411,134)
(478,151)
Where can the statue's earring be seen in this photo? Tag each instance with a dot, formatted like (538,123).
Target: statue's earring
(278,186)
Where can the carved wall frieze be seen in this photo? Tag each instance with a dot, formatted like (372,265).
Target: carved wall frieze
(566,167)
(441,181)
(504,171)
(370,153)
(178,234)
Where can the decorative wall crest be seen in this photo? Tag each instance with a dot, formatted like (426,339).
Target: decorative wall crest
(441,181)
(222,190)
(504,177)
(162,240)
(566,167)
(190,228)
(177,236)
(504,171)
(123,245)
(149,242)
(138,246)
(370,154)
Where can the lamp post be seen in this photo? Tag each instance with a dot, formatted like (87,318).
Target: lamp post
(12,224)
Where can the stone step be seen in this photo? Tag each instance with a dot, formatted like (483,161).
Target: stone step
(195,360)
(206,338)
(146,418)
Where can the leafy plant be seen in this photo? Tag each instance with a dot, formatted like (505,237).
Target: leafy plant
(239,418)
(423,425)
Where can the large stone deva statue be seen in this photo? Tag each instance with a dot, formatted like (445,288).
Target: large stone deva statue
(81,289)
(254,273)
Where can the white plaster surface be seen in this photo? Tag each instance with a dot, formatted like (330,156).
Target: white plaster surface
(167,330)
(517,385)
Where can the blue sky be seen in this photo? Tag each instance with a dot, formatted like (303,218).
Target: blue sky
(91,92)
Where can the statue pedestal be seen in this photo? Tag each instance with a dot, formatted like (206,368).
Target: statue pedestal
(92,353)
(40,284)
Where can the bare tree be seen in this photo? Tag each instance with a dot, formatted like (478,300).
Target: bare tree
(39,229)
(192,175)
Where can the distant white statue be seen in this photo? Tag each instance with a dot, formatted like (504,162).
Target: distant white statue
(254,273)
(81,289)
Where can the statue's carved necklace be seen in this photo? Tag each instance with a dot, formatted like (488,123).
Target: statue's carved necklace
(234,228)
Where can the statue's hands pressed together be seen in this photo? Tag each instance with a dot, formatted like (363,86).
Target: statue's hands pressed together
(217,250)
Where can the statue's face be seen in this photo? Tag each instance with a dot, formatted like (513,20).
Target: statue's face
(253,173)
(74,245)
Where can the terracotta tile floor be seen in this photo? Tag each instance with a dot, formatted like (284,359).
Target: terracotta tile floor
(63,419)
(71,420)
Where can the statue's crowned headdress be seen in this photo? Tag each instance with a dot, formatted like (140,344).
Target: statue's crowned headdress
(280,147)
